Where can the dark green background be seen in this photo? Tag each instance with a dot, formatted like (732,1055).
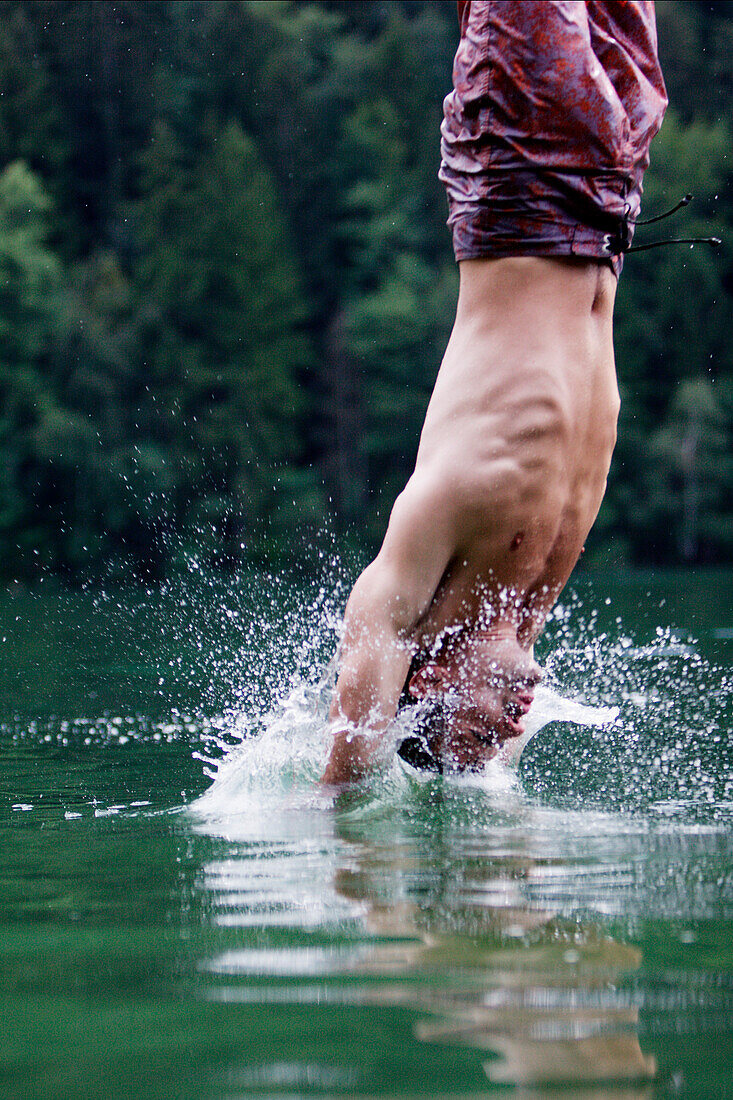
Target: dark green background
(226,283)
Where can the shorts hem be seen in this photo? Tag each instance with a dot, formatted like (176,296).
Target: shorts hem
(474,239)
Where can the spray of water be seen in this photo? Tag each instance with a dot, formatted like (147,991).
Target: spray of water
(239,674)
(621,720)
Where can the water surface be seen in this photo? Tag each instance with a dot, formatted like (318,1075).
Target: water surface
(564,933)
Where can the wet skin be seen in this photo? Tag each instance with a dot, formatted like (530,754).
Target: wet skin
(510,474)
(487,686)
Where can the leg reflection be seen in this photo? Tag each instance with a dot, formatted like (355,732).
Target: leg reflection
(542,993)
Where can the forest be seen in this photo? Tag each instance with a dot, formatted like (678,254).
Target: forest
(226,284)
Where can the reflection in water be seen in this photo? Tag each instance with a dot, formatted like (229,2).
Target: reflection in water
(484,916)
(555,933)
(440,939)
(539,994)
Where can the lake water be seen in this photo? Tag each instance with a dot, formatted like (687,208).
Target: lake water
(565,932)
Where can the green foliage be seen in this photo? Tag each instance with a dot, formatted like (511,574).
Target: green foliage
(227,346)
(29,279)
(400,297)
(226,282)
(672,339)
(696,51)
(687,478)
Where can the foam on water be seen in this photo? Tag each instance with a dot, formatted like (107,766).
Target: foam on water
(288,756)
(622,716)
(263,759)
(627,721)
(283,750)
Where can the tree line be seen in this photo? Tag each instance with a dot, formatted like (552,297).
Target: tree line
(226,283)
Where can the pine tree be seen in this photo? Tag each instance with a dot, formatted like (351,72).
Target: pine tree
(29,414)
(228,352)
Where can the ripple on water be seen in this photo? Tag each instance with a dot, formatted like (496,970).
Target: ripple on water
(569,922)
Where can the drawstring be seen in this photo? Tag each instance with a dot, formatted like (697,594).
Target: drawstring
(620,241)
(714,241)
(684,201)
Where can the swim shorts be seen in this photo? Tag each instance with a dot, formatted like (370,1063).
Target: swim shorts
(546,135)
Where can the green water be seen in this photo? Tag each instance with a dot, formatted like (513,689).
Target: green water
(568,937)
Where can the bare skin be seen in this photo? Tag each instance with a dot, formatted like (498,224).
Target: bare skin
(510,474)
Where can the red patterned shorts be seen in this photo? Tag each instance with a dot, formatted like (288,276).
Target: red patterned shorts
(546,134)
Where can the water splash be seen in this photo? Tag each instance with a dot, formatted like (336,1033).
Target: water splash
(550,706)
(628,720)
(621,717)
(283,750)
